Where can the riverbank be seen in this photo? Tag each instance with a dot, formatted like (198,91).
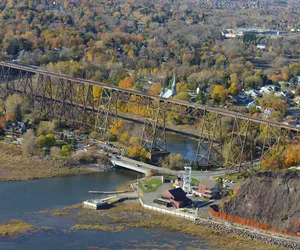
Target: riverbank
(131,214)
(15,167)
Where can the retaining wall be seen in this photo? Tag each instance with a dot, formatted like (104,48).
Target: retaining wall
(165,211)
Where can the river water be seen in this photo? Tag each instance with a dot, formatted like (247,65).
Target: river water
(185,146)
(18,199)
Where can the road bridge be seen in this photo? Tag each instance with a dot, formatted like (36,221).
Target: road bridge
(226,138)
(141,167)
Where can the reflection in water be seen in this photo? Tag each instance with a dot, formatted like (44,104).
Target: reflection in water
(185,146)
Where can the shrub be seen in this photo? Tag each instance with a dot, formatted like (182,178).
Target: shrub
(66,149)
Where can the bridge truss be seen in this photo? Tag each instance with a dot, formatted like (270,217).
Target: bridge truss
(225,138)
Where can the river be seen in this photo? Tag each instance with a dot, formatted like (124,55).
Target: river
(20,198)
(185,146)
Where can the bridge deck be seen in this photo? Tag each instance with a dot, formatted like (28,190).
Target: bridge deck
(141,167)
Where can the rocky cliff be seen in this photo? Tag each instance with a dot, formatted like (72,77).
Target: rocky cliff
(269,198)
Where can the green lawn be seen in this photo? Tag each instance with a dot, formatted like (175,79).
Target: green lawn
(171,177)
(194,182)
(150,185)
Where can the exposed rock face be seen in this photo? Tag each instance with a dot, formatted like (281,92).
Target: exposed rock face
(269,198)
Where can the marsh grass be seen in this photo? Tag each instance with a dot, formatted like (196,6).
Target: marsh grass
(15,227)
(18,167)
(98,227)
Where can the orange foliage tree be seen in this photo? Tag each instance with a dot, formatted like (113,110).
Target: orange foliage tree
(154,89)
(292,156)
(126,83)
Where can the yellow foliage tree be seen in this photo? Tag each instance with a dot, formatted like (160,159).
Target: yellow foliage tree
(219,94)
(126,83)
(181,87)
(116,127)
(97,93)
(130,53)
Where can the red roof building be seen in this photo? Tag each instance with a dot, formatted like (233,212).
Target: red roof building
(177,197)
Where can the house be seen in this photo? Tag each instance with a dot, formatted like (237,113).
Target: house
(242,99)
(167,93)
(176,197)
(252,93)
(210,189)
(252,104)
(267,89)
(16,129)
(261,46)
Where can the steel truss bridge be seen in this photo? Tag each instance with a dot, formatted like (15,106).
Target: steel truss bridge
(226,138)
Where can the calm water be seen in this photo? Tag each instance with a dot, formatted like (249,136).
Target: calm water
(185,146)
(19,198)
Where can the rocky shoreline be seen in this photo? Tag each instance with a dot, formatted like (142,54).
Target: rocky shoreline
(249,234)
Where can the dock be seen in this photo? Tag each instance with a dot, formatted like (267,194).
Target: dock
(97,203)
(109,192)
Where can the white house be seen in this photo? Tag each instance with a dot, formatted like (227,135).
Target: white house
(253,93)
(267,89)
(261,46)
(252,104)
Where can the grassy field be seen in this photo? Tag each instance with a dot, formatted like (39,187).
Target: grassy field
(14,166)
(14,227)
(150,185)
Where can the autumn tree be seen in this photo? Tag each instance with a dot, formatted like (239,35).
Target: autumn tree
(233,89)
(116,127)
(292,156)
(183,96)
(12,102)
(46,127)
(219,94)
(126,83)
(253,81)
(154,89)
(29,143)
(181,87)
(137,152)
(274,159)
(173,161)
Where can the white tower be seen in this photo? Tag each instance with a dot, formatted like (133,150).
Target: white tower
(187,179)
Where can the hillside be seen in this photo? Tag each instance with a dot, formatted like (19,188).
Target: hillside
(269,198)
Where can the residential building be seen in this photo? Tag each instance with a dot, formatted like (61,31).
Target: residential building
(16,129)
(210,189)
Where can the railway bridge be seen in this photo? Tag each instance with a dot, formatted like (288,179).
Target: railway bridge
(225,138)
